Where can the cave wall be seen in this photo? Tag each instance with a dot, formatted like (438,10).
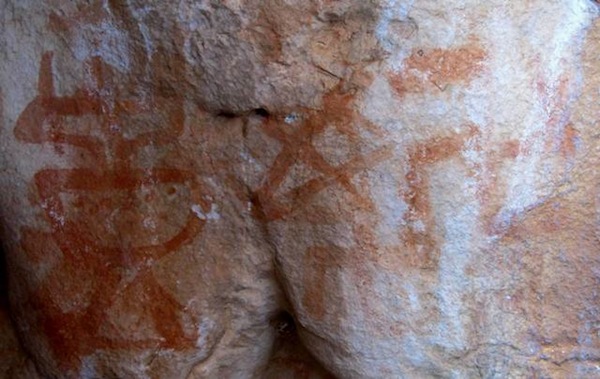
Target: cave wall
(302,189)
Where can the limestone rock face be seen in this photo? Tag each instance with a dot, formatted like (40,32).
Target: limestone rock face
(301,189)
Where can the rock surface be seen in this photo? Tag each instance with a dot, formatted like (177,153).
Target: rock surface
(301,189)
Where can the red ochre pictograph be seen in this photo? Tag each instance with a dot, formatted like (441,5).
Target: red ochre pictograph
(420,248)
(438,68)
(297,147)
(98,219)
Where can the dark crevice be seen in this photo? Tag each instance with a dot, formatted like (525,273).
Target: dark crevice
(262,112)
(284,324)
(226,114)
(289,357)
(3,279)
(23,359)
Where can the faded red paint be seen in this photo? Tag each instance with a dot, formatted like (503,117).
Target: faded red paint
(297,147)
(103,258)
(271,204)
(323,262)
(421,243)
(568,147)
(559,135)
(491,190)
(428,69)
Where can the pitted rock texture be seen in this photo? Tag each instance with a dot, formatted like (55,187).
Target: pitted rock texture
(301,189)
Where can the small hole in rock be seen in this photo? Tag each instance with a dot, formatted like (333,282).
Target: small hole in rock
(284,324)
(262,112)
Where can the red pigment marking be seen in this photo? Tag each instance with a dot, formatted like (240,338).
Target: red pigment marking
(87,250)
(318,262)
(568,146)
(559,134)
(421,242)
(425,69)
(491,189)
(559,138)
(298,147)
(322,265)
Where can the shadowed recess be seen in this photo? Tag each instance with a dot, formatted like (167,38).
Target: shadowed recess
(3,279)
(289,357)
